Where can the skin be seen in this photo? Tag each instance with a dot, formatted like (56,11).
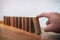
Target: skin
(53,23)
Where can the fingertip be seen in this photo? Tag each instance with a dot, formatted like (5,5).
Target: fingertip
(46,30)
(37,16)
(47,15)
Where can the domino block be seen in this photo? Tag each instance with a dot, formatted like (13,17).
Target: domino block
(37,26)
(4,19)
(27,24)
(20,22)
(11,21)
(31,25)
(8,18)
(23,23)
(16,22)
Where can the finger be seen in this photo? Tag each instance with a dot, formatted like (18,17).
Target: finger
(48,28)
(48,22)
(47,15)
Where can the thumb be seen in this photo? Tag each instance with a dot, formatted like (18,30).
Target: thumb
(48,28)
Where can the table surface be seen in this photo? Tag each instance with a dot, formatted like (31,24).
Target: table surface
(30,36)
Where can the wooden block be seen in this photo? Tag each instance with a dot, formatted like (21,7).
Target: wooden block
(27,24)
(27,28)
(11,21)
(16,22)
(37,26)
(20,22)
(4,19)
(23,23)
(8,20)
(31,25)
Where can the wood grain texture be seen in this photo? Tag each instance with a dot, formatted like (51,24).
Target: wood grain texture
(12,33)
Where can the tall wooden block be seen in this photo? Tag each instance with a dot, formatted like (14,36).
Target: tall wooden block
(20,22)
(4,20)
(16,22)
(8,18)
(11,21)
(27,24)
(23,23)
(37,26)
(31,25)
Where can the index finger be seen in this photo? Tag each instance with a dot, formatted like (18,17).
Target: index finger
(47,15)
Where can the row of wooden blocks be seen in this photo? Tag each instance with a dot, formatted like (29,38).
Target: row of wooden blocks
(28,24)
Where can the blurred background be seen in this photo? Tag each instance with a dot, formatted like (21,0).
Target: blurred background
(29,8)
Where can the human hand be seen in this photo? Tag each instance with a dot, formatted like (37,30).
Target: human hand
(53,23)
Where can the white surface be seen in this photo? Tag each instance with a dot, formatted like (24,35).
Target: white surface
(28,8)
